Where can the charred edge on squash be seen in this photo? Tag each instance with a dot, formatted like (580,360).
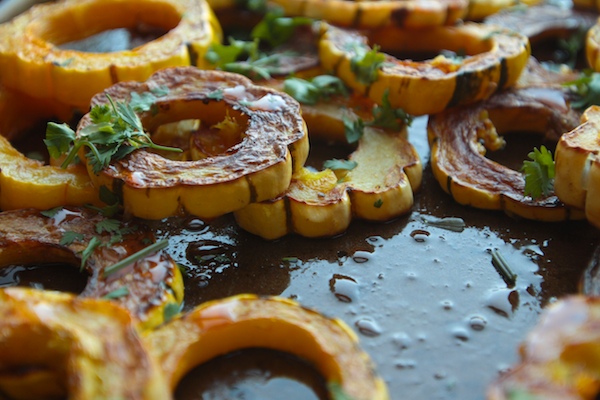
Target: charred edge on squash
(503,74)
(466,84)
(192,54)
(399,16)
(252,189)
(289,222)
(449,185)
(357,16)
(112,70)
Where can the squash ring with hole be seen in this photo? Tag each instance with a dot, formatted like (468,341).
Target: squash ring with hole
(88,348)
(559,357)
(495,58)
(32,61)
(273,142)
(460,137)
(145,287)
(222,326)
(577,180)
(369,14)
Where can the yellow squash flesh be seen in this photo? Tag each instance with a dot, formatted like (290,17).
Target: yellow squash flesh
(272,145)
(458,157)
(222,326)
(577,180)
(560,357)
(495,58)
(322,204)
(32,60)
(592,45)
(368,14)
(149,284)
(89,347)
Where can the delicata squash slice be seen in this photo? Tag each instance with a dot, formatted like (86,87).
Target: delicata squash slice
(221,326)
(386,171)
(144,286)
(368,14)
(559,357)
(459,139)
(577,166)
(267,143)
(67,345)
(495,57)
(32,60)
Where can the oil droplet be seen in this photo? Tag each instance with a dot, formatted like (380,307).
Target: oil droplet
(361,257)
(419,235)
(447,305)
(502,301)
(461,333)
(405,363)
(402,340)
(195,224)
(477,323)
(368,327)
(345,288)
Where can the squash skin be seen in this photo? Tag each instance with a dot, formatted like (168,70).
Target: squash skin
(458,159)
(366,14)
(592,45)
(274,144)
(577,180)
(243,321)
(27,236)
(380,188)
(90,347)
(559,356)
(32,62)
(498,56)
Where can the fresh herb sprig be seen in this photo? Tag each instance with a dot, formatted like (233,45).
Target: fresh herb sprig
(586,88)
(366,63)
(115,131)
(539,173)
(311,91)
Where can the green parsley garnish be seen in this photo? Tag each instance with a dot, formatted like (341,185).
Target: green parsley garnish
(70,237)
(312,91)
(114,132)
(539,173)
(336,164)
(378,203)
(587,90)
(117,293)
(353,129)
(274,29)
(385,116)
(366,63)
(170,311)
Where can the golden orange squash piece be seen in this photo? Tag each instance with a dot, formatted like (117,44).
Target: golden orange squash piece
(560,357)
(272,143)
(221,326)
(459,139)
(33,62)
(369,14)
(577,180)
(90,348)
(494,59)
(146,286)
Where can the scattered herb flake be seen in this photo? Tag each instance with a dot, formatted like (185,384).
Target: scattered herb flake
(170,311)
(51,213)
(378,203)
(335,164)
(87,252)
(70,237)
(117,293)
(353,129)
(366,63)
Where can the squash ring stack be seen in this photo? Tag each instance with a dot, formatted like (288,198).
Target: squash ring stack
(458,157)
(273,144)
(87,348)
(497,58)
(32,62)
(149,284)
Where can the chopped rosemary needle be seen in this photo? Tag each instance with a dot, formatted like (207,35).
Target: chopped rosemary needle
(503,268)
(115,294)
(153,248)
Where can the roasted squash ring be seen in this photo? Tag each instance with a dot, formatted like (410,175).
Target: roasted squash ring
(221,326)
(458,157)
(592,46)
(577,180)
(478,10)
(90,348)
(559,357)
(496,58)
(273,144)
(148,285)
(31,60)
(368,14)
